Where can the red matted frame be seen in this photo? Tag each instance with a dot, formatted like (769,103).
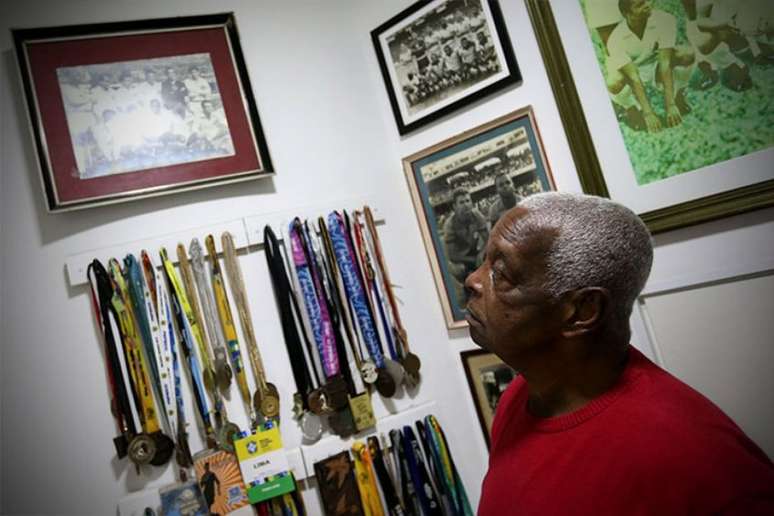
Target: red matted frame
(41,52)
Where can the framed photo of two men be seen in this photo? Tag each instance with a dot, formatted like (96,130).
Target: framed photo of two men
(667,104)
(131,109)
(461,186)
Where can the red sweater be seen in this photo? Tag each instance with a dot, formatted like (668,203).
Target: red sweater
(650,445)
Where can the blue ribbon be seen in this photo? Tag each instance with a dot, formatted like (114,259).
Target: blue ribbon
(345,257)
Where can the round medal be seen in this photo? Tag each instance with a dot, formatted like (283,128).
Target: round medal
(368,372)
(410,380)
(341,423)
(226,435)
(165,447)
(318,404)
(411,364)
(311,426)
(269,406)
(395,370)
(223,372)
(142,449)
(385,384)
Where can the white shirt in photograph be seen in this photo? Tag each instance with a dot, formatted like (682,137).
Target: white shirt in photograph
(198,89)
(625,47)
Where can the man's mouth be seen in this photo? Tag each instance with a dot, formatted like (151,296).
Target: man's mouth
(471,316)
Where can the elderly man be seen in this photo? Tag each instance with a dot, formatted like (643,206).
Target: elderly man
(591,426)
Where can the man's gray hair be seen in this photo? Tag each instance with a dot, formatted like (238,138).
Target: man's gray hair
(598,243)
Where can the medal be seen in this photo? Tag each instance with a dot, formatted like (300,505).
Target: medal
(385,385)
(395,370)
(368,372)
(318,402)
(142,449)
(336,391)
(311,426)
(341,423)
(165,447)
(225,436)
(362,411)
(223,373)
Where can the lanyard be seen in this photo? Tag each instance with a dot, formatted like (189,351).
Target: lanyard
(419,475)
(403,474)
(366,480)
(388,488)
(137,366)
(194,315)
(266,401)
(227,323)
(315,305)
(385,276)
(103,312)
(459,495)
(345,258)
(283,296)
(223,372)
(179,302)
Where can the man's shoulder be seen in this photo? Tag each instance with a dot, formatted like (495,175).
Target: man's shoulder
(658,17)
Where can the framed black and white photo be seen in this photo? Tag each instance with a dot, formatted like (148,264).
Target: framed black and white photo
(440,55)
(461,186)
(488,377)
(132,109)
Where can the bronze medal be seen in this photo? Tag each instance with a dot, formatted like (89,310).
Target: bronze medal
(385,384)
(362,411)
(165,447)
(336,391)
(318,402)
(311,426)
(341,423)
(411,364)
(226,435)
(368,372)
(142,449)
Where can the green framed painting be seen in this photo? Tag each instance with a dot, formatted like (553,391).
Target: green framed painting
(678,90)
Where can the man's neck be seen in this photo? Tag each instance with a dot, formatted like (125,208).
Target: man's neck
(637,25)
(508,200)
(565,382)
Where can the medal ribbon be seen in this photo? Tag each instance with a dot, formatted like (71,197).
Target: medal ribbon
(178,302)
(315,305)
(137,365)
(227,323)
(459,496)
(366,480)
(283,295)
(236,281)
(419,475)
(194,315)
(388,488)
(345,258)
(103,311)
(206,296)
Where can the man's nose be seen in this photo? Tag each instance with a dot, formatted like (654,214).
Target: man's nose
(473,283)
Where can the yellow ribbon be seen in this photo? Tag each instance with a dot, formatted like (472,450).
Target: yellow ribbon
(138,368)
(366,480)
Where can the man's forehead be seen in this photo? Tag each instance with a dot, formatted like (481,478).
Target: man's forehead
(511,237)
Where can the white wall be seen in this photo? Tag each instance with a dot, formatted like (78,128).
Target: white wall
(332,136)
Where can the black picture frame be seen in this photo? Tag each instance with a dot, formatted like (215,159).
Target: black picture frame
(507,70)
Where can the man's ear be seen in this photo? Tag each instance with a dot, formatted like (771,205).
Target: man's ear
(585,310)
